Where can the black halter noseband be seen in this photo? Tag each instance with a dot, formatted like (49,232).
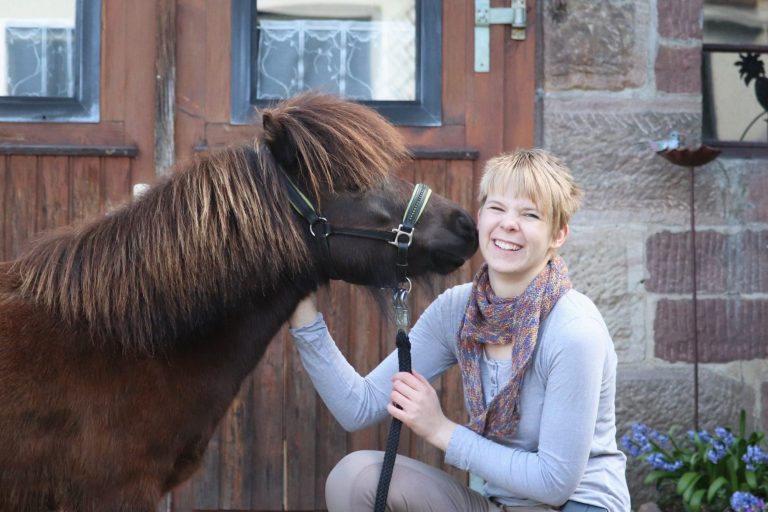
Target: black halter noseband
(401,237)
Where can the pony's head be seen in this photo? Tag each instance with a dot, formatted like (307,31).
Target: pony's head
(343,155)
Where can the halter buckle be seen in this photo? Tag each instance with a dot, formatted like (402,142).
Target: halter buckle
(401,231)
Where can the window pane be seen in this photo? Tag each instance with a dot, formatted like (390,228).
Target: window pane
(363,51)
(37,48)
(736,21)
(733,109)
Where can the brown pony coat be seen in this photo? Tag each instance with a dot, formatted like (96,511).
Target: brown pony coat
(123,341)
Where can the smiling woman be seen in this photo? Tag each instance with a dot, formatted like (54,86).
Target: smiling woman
(537,363)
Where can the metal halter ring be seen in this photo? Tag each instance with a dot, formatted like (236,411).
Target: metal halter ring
(324,222)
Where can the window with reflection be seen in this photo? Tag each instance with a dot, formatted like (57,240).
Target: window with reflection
(385,53)
(735,86)
(49,60)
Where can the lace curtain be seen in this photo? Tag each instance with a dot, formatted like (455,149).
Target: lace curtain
(359,60)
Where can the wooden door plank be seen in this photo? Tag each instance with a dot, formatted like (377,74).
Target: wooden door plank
(484,98)
(115,48)
(53,192)
(21,202)
(519,88)
(365,330)
(217,60)
(301,425)
(86,188)
(117,183)
(106,133)
(207,481)
(455,49)
(459,188)
(267,397)
(140,23)
(4,202)
(237,433)
(191,69)
(337,305)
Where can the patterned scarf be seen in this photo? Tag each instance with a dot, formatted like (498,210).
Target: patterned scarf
(495,320)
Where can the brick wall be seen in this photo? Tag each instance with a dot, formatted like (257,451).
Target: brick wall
(617,74)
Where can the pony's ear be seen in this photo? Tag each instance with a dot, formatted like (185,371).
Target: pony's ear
(276,137)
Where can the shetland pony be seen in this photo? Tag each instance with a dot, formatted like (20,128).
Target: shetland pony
(123,341)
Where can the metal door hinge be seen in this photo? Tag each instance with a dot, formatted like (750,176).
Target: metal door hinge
(485,16)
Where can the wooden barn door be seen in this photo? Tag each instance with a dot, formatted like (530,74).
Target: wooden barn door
(165,93)
(276,445)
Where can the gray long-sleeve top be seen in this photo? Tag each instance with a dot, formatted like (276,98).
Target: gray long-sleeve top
(565,445)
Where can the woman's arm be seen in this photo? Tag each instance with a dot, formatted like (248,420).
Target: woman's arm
(550,474)
(355,401)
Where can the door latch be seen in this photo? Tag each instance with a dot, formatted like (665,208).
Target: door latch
(485,16)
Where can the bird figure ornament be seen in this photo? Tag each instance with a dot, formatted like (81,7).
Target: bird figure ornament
(671,142)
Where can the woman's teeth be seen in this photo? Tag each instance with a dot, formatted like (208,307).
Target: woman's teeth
(507,246)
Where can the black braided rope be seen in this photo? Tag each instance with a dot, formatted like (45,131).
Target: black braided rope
(393,439)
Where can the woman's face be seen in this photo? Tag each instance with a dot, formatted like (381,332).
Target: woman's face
(516,241)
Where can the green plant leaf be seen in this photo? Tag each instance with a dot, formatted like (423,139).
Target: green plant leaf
(751,478)
(656,475)
(686,481)
(691,488)
(695,503)
(716,486)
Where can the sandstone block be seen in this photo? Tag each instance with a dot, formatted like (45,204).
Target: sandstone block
(735,263)
(680,19)
(599,266)
(678,70)
(729,330)
(756,186)
(598,45)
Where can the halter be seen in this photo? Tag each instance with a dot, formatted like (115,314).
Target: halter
(401,237)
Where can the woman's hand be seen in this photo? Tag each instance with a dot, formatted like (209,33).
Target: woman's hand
(421,410)
(305,312)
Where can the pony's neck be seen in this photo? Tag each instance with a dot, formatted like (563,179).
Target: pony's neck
(210,243)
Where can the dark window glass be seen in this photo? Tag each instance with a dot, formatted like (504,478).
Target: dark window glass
(734,84)
(49,60)
(385,53)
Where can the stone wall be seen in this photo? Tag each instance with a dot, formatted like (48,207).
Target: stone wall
(617,74)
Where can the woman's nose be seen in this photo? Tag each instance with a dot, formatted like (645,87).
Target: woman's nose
(510,222)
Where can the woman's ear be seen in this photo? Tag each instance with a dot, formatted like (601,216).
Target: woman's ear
(559,237)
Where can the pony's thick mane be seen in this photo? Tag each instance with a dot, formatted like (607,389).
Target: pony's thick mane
(198,245)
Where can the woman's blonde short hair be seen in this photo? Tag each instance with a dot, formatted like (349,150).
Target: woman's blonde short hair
(537,175)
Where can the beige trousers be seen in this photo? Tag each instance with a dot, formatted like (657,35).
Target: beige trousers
(415,487)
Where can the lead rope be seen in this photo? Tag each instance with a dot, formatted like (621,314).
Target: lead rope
(402,319)
(403,237)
